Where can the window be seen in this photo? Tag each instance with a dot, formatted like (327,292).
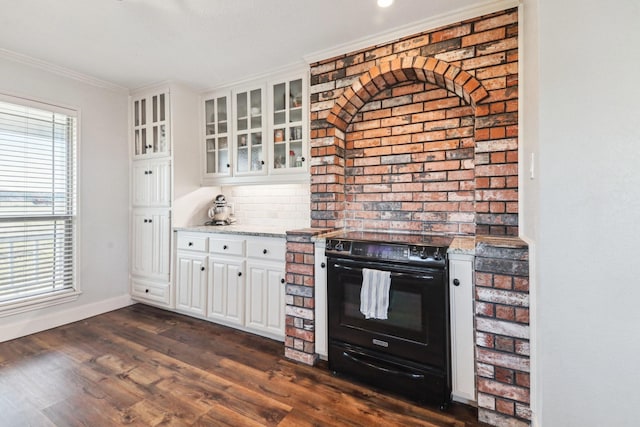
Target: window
(37,204)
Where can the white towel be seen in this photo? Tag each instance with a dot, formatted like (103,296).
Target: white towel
(374,294)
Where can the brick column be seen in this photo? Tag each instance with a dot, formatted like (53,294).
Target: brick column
(502,331)
(299,298)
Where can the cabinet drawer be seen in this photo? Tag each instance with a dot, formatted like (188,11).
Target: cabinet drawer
(158,293)
(274,250)
(192,242)
(226,246)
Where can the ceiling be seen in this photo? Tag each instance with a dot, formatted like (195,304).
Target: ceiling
(201,43)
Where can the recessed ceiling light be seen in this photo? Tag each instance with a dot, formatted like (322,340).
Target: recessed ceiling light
(385,3)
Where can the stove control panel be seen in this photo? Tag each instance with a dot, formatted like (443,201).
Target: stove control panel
(426,253)
(377,251)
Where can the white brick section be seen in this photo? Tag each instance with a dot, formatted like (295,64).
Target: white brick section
(502,328)
(486,371)
(323,87)
(508,144)
(517,299)
(486,401)
(304,313)
(322,105)
(505,360)
(496,419)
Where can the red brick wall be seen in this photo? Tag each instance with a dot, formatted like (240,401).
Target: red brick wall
(411,162)
(428,151)
(421,134)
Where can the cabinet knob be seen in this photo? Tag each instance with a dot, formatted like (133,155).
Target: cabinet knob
(146,291)
(146,172)
(239,273)
(202,268)
(224,247)
(264,251)
(146,220)
(262,162)
(282,281)
(303,159)
(150,221)
(323,265)
(190,243)
(456,282)
(150,172)
(228,165)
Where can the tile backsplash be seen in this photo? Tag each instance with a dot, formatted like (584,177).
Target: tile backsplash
(286,205)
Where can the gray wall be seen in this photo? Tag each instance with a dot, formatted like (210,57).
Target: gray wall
(582,120)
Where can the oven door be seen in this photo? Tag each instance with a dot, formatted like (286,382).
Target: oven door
(416,327)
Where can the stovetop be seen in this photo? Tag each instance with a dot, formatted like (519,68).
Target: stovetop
(397,247)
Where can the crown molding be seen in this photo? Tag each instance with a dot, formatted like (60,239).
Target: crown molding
(458,15)
(299,66)
(61,71)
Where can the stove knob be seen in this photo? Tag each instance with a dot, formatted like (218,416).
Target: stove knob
(423,254)
(339,246)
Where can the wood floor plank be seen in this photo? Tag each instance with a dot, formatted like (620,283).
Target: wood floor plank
(142,366)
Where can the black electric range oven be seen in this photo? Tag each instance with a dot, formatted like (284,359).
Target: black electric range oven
(407,349)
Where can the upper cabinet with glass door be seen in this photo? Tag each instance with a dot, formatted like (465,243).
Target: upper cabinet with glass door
(151,125)
(249,109)
(218,150)
(289,127)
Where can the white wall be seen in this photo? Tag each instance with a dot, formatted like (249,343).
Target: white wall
(584,208)
(103,193)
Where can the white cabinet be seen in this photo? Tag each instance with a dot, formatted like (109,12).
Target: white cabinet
(462,337)
(244,280)
(320,291)
(164,147)
(248,111)
(151,125)
(226,290)
(266,286)
(288,150)
(151,233)
(257,130)
(218,151)
(151,183)
(191,282)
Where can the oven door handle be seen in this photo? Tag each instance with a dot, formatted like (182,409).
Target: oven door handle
(382,368)
(393,274)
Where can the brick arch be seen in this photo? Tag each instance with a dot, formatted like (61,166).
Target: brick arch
(399,70)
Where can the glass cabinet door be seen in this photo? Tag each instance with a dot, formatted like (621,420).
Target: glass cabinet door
(217,136)
(288,125)
(150,125)
(249,154)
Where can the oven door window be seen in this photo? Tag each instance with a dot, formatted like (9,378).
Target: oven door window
(412,294)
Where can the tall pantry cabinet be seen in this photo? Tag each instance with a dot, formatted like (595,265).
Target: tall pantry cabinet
(164,170)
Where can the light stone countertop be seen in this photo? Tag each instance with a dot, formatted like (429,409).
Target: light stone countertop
(252,230)
(465,245)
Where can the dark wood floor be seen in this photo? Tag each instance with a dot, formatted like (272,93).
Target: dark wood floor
(143,366)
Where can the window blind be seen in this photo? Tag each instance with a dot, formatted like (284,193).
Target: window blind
(37,200)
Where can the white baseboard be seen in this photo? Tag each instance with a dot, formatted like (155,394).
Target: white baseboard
(38,323)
